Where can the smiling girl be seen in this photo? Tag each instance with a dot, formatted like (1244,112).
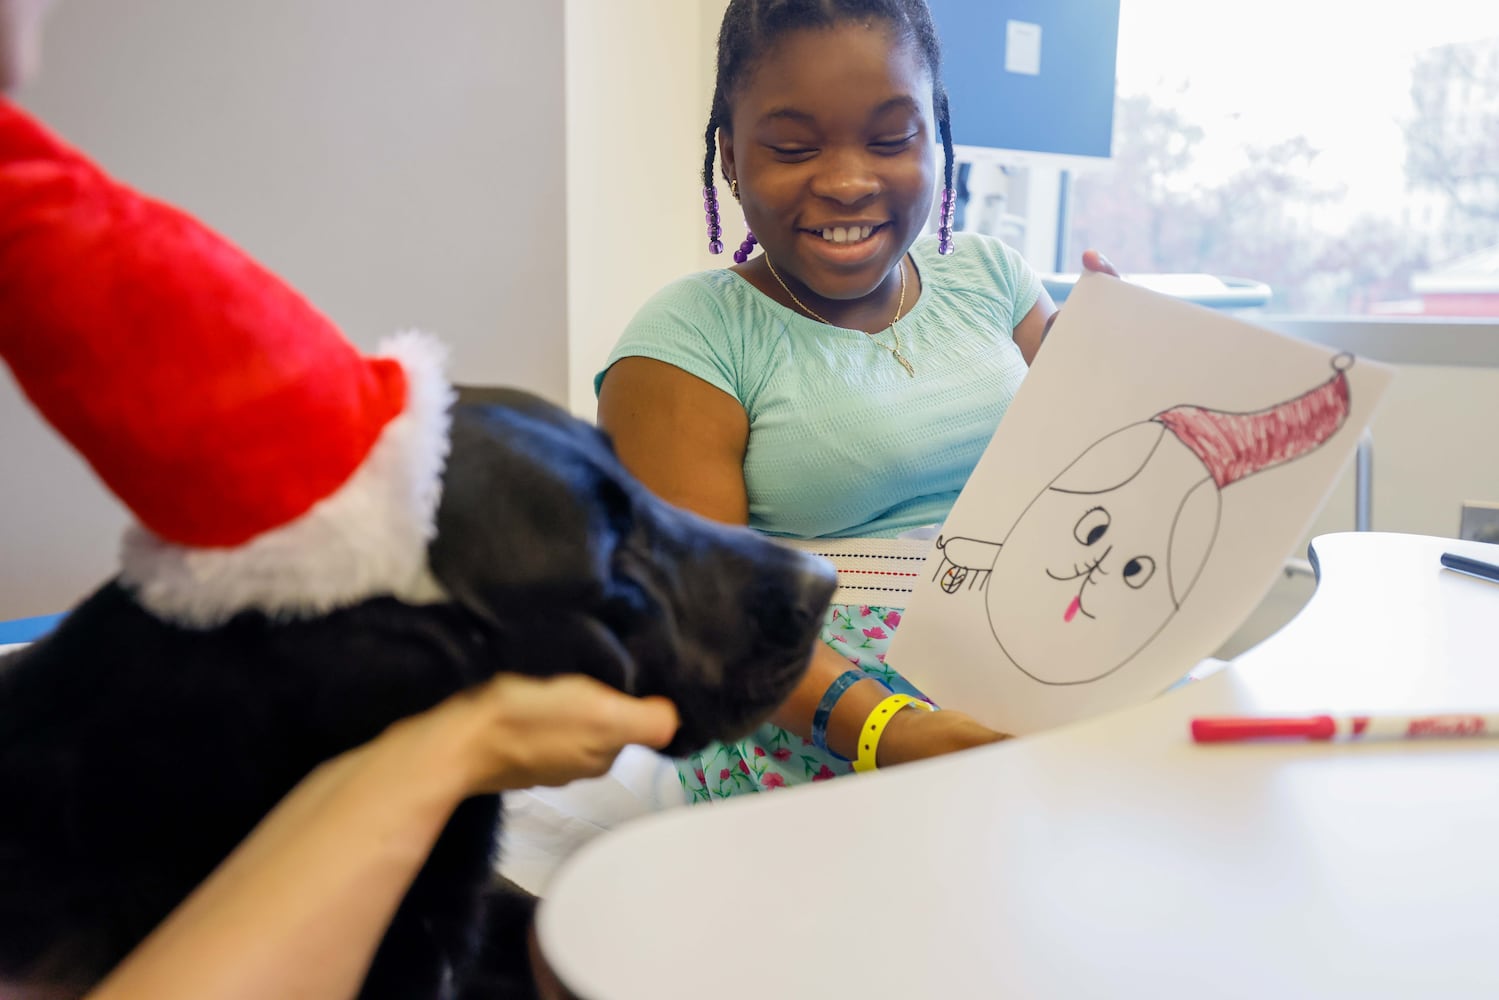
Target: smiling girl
(843,382)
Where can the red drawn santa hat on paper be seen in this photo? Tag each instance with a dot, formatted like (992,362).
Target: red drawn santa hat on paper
(1235,445)
(268,463)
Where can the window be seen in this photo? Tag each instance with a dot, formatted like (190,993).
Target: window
(1344,154)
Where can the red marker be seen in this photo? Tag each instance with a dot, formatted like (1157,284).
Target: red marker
(1449,725)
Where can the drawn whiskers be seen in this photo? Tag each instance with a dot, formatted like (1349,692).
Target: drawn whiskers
(1087,569)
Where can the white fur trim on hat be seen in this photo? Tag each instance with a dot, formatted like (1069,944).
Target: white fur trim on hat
(367,539)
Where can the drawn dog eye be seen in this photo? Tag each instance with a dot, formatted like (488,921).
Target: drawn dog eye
(1091,526)
(1138,571)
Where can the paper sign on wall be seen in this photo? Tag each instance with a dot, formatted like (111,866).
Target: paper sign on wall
(1023,47)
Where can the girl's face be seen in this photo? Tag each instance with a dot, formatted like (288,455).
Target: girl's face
(832,141)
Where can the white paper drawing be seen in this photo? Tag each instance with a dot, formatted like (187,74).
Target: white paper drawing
(1121,535)
(1051,601)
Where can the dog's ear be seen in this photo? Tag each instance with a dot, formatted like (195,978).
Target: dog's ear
(530,515)
(579,435)
(563,641)
(492,395)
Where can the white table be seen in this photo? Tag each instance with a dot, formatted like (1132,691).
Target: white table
(1112,858)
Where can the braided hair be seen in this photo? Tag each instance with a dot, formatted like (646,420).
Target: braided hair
(751,27)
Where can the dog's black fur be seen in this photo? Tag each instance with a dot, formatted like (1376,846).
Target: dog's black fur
(135,754)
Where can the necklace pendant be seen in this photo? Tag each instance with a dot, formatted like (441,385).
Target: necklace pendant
(903,363)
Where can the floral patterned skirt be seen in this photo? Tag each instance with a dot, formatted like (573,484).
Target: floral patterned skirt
(771,757)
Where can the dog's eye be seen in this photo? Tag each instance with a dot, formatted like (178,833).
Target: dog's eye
(616,503)
(626,606)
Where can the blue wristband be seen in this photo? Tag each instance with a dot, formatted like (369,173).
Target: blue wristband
(824,712)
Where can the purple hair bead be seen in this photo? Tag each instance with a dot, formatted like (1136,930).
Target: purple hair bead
(745,249)
(944,229)
(710,216)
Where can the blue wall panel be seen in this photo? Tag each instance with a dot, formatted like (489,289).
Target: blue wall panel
(1068,108)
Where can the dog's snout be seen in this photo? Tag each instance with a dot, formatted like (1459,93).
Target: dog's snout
(817,580)
(795,593)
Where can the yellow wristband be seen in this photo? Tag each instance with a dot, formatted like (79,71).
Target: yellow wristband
(874,727)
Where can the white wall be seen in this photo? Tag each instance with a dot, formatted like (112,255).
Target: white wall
(401,163)
(639,82)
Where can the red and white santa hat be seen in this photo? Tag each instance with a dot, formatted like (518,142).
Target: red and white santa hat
(268,464)
(1235,445)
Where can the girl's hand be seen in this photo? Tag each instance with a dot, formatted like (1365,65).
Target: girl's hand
(1092,261)
(1095,261)
(912,734)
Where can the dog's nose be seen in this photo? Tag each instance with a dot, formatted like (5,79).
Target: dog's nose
(816,582)
(792,594)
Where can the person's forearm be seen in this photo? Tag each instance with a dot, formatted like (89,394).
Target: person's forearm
(850,711)
(300,906)
(908,735)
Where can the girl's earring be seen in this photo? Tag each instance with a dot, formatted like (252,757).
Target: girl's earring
(944,229)
(715,231)
(734,187)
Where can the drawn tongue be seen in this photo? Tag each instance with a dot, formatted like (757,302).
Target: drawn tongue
(1077,602)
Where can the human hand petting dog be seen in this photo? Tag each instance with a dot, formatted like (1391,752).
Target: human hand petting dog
(298,908)
(518,732)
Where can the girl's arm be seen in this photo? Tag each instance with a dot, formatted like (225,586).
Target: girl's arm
(686,441)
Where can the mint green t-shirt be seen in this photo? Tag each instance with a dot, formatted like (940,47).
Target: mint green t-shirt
(842,442)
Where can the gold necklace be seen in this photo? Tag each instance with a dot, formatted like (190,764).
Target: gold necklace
(899,306)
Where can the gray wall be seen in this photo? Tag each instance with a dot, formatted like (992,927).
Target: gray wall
(401,163)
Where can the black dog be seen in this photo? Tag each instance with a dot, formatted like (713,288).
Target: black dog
(135,754)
